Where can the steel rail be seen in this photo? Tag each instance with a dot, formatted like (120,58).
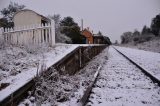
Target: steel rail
(152,77)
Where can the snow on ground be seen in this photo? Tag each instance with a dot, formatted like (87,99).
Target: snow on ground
(120,83)
(150,61)
(152,45)
(19,65)
(66,90)
(14,60)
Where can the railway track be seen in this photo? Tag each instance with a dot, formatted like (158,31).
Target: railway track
(154,79)
(88,96)
(21,93)
(92,94)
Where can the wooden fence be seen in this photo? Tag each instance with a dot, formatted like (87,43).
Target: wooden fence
(30,35)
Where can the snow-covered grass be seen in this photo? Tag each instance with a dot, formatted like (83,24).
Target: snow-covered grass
(64,90)
(120,83)
(14,60)
(19,64)
(150,61)
(152,45)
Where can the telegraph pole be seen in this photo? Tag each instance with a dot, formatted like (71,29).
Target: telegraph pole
(82,24)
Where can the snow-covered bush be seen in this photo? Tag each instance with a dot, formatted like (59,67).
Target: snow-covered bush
(15,59)
(10,60)
(141,39)
(37,49)
(61,38)
(53,87)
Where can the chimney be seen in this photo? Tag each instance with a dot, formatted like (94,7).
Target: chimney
(82,24)
(88,28)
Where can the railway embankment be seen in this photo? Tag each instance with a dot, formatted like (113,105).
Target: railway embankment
(68,64)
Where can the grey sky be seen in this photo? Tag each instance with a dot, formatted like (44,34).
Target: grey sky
(111,17)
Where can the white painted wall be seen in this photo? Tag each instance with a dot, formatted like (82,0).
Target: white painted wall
(28,30)
(25,18)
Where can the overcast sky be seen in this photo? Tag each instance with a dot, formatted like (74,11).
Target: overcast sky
(111,17)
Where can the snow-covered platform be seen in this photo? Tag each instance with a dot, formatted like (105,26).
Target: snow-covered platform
(120,83)
(150,61)
(48,58)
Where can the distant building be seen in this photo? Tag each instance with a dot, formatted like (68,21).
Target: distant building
(100,39)
(88,35)
(95,38)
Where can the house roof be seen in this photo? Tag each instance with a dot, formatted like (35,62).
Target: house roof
(86,30)
(43,17)
(96,35)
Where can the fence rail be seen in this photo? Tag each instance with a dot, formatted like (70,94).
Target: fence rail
(29,35)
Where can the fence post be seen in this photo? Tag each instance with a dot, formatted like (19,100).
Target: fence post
(52,32)
(1,34)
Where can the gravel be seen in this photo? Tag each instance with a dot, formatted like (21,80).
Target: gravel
(120,83)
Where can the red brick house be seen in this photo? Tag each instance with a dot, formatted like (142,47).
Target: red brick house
(88,35)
